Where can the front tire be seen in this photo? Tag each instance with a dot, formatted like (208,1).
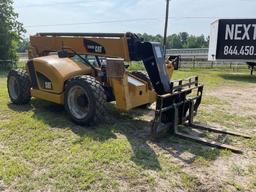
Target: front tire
(19,86)
(85,100)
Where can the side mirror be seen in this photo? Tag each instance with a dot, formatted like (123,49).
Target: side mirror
(63,54)
(175,59)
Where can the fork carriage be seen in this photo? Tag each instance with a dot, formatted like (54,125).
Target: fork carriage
(179,108)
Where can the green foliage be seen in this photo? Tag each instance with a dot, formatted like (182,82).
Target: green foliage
(23,46)
(136,66)
(10,30)
(174,41)
(146,37)
(178,41)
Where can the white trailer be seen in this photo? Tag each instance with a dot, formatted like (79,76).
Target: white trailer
(233,39)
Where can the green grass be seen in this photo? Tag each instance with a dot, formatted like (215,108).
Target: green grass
(236,185)
(41,150)
(237,170)
(135,66)
(254,182)
(10,168)
(218,76)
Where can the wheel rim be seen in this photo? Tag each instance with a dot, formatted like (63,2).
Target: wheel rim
(13,87)
(78,102)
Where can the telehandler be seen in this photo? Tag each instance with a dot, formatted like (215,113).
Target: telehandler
(82,71)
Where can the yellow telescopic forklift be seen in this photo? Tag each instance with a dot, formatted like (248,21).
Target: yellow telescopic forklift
(83,71)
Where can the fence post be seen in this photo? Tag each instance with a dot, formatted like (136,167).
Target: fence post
(194,61)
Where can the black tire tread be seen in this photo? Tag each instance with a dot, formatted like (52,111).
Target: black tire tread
(98,93)
(24,83)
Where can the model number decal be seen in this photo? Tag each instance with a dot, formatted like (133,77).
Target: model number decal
(93,47)
(48,85)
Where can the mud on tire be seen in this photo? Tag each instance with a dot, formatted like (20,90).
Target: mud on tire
(19,86)
(85,100)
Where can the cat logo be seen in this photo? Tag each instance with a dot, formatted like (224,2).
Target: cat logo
(93,47)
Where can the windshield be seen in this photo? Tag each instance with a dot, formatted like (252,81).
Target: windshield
(89,58)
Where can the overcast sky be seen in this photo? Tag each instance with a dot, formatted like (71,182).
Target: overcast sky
(193,16)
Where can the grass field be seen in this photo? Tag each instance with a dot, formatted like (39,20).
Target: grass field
(41,150)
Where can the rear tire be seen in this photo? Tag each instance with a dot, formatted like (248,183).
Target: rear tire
(85,100)
(19,86)
(143,76)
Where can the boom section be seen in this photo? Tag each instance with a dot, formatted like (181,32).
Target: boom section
(117,45)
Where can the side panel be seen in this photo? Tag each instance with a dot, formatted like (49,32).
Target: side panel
(129,91)
(50,73)
(139,92)
(55,98)
(213,41)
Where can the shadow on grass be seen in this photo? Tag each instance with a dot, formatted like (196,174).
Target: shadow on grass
(117,123)
(136,132)
(20,108)
(239,77)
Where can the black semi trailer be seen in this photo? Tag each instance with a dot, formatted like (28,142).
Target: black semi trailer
(233,39)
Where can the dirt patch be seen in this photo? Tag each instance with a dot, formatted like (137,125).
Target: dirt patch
(241,100)
(231,170)
(224,173)
(229,173)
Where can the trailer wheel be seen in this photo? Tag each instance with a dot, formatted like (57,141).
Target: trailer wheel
(85,100)
(19,85)
(143,76)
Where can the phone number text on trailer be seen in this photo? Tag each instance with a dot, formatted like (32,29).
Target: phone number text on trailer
(239,50)
(233,39)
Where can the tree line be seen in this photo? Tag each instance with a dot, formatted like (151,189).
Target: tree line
(10,31)
(175,41)
(179,41)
